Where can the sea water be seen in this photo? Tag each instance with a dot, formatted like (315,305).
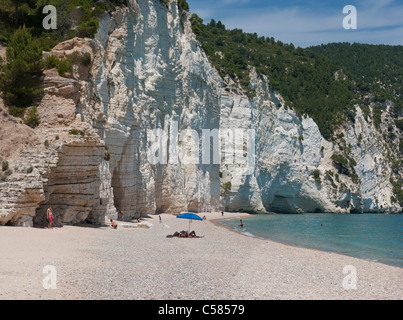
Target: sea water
(375,237)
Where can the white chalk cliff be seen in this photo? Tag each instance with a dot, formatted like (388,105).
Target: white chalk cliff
(289,148)
(149,73)
(149,70)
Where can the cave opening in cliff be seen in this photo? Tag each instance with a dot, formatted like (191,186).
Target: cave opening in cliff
(280,204)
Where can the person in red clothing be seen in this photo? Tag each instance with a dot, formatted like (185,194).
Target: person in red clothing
(49,216)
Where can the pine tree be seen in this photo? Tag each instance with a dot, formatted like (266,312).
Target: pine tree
(183,5)
(20,77)
(17,10)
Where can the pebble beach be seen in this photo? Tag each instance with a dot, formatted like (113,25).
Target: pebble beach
(143,264)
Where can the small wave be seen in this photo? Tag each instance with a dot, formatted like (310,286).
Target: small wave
(246,233)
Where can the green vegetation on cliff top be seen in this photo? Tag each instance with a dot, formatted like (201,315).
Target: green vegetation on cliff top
(377,69)
(74,18)
(312,81)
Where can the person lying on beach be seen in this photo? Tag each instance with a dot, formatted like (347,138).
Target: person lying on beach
(184,234)
(176,234)
(192,234)
(113,224)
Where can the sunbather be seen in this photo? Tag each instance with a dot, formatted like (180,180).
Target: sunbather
(184,234)
(113,224)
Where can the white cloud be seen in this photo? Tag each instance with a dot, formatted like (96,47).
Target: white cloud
(380,24)
(379,21)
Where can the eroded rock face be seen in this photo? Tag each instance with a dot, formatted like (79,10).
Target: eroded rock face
(52,166)
(149,77)
(58,86)
(71,46)
(150,73)
(19,200)
(66,175)
(73,183)
(373,168)
(289,148)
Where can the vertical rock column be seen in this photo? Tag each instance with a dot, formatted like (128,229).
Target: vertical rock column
(148,72)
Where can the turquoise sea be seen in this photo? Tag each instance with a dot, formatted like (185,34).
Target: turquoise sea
(375,237)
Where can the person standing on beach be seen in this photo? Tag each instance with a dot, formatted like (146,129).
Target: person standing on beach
(121,215)
(159,217)
(49,216)
(222,213)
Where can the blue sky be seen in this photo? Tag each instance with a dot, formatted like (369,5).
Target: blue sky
(311,22)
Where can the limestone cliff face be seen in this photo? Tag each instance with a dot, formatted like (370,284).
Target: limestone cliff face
(290,148)
(55,167)
(143,108)
(66,174)
(370,151)
(150,72)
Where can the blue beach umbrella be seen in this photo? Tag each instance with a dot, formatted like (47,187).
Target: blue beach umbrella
(190,216)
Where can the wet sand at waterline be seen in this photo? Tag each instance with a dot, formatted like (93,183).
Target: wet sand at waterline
(141,263)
